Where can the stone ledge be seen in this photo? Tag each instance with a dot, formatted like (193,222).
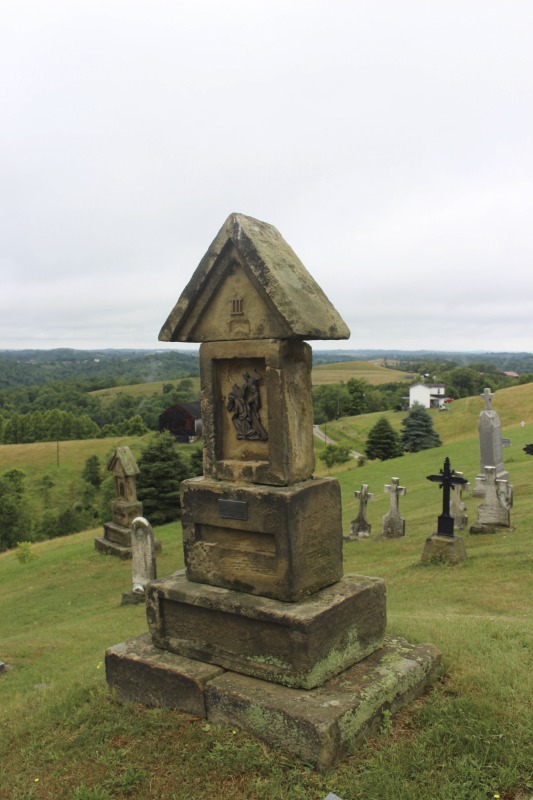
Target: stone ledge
(141,673)
(319,726)
(298,644)
(324,725)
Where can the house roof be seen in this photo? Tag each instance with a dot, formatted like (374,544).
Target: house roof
(191,408)
(292,305)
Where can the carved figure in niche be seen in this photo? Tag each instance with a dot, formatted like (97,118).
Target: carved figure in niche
(245,403)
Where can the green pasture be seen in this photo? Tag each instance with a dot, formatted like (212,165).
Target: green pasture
(142,389)
(64,736)
(369,371)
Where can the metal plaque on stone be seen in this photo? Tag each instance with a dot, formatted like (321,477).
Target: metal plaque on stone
(233,509)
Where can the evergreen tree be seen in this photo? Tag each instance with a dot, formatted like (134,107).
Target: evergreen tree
(383,441)
(162,469)
(15,513)
(91,471)
(418,432)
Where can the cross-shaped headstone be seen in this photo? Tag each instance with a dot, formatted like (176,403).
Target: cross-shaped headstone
(395,491)
(360,525)
(457,507)
(393,523)
(446,479)
(487,396)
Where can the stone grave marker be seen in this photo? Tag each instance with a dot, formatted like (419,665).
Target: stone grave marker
(495,510)
(444,545)
(143,561)
(457,506)
(393,522)
(116,540)
(360,527)
(490,444)
(263,631)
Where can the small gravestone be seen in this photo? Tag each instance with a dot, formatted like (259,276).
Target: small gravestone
(495,511)
(116,540)
(360,527)
(393,523)
(490,444)
(143,563)
(2,667)
(444,545)
(457,506)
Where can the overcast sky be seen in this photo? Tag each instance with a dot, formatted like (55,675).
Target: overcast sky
(391,144)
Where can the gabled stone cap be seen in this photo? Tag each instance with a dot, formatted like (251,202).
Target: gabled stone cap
(297,303)
(124,457)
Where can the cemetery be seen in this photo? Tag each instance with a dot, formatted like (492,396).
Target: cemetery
(296,636)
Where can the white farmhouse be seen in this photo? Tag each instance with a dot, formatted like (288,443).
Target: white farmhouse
(429,395)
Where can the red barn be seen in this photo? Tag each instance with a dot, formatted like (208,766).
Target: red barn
(183,421)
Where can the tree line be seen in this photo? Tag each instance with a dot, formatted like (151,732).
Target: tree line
(162,468)
(66,410)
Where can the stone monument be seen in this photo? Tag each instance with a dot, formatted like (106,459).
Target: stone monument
(393,522)
(263,631)
(495,511)
(490,444)
(360,527)
(116,540)
(143,563)
(444,545)
(457,506)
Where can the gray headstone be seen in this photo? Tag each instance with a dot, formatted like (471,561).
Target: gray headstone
(360,527)
(494,511)
(143,564)
(457,507)
(393,523)
(490,444)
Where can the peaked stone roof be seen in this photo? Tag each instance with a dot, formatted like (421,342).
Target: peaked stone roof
(296,305)
(125,458)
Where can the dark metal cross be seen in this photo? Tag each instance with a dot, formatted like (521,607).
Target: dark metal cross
(446,480)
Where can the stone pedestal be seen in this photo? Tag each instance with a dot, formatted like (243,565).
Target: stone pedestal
(116,540)
(283,542)
(298,644)
(444,548)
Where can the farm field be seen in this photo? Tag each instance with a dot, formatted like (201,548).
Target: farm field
(371,371)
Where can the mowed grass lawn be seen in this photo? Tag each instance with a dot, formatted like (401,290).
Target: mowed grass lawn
(64,735)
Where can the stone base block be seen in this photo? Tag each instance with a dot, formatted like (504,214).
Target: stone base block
(109,548)
(486,528)
(297,644)
(141,673)
(283,542)
(444,548)
(319,726)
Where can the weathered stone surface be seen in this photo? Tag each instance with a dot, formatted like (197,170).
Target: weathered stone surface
(393,523)
(324,725)
(283,370)
(116,541)
(360,527)
(251,285)
(143,567)
(297,644)
(141,673)
(495,511)
(443,548)
(490,445)
(287,545)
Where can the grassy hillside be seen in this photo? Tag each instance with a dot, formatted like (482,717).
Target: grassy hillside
(471,738)
(369,371)
(141,390)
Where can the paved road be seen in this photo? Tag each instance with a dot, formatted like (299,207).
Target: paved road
(326,439)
